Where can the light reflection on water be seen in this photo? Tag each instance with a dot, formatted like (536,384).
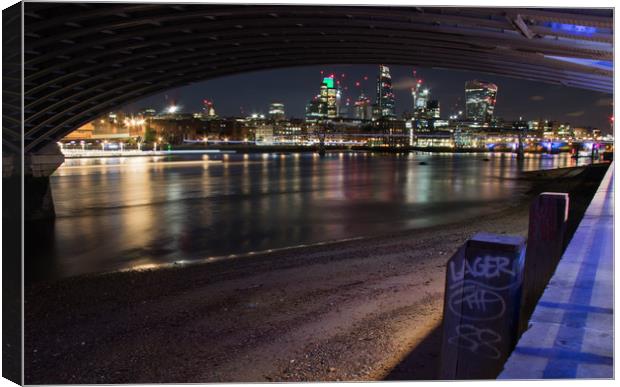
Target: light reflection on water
(118,213)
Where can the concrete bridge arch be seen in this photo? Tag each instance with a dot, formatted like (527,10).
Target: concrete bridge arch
(82,60)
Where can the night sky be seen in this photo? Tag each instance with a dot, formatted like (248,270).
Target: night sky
(247,93)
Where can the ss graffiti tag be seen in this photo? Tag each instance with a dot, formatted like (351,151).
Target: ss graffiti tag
(479,341)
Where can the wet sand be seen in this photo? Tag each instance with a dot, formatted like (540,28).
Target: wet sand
(367,309)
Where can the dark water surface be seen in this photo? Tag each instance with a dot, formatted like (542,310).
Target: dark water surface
(121,213)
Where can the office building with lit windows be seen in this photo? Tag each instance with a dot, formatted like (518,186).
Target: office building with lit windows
(432,109)
(328,98)
(313,109)
(276,111)
(208,109)
(384,105)
(420,96)
(480,101)
(363,108)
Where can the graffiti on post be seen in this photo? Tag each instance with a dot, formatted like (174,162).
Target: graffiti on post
(482,267)
(483,285)
(481,341)
(477,302)
(474,296)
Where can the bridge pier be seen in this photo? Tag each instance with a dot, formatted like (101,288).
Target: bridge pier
(520,149)
(38,167)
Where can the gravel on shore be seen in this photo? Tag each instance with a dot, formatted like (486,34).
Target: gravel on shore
(367,309)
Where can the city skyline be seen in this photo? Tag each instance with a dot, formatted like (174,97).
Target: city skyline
(253,92)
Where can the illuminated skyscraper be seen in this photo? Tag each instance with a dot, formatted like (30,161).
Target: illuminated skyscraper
(363,108)
(328,98)
(479,101)
(384,105)
(432,109)
(276,111)
(208,109)
(339,100)
(420,96)
(313,109)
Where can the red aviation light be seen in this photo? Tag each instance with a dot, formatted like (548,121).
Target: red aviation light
(322,72)
(365,77)
(357,83)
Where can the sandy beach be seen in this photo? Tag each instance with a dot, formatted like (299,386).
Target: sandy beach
(360,310)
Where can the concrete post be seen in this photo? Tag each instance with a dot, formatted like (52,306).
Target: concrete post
(481,306)
(545,245)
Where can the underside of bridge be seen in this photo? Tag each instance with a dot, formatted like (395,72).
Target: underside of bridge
(83,60)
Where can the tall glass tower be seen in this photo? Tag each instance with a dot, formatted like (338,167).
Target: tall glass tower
(384,106)
(328,97)
(480,101)
(276,111)
(363,108)
(420,96)
(313,110)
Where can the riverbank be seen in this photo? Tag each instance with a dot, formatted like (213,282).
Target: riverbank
(365,309)
(251,149)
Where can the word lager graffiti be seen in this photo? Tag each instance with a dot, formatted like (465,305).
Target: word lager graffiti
(483,267)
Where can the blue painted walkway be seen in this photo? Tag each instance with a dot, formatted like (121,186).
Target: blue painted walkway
(571,329)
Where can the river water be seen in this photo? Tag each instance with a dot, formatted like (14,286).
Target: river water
(123,213)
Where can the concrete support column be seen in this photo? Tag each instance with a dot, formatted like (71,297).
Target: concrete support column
(43,162)
(520,148)
(38,167)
